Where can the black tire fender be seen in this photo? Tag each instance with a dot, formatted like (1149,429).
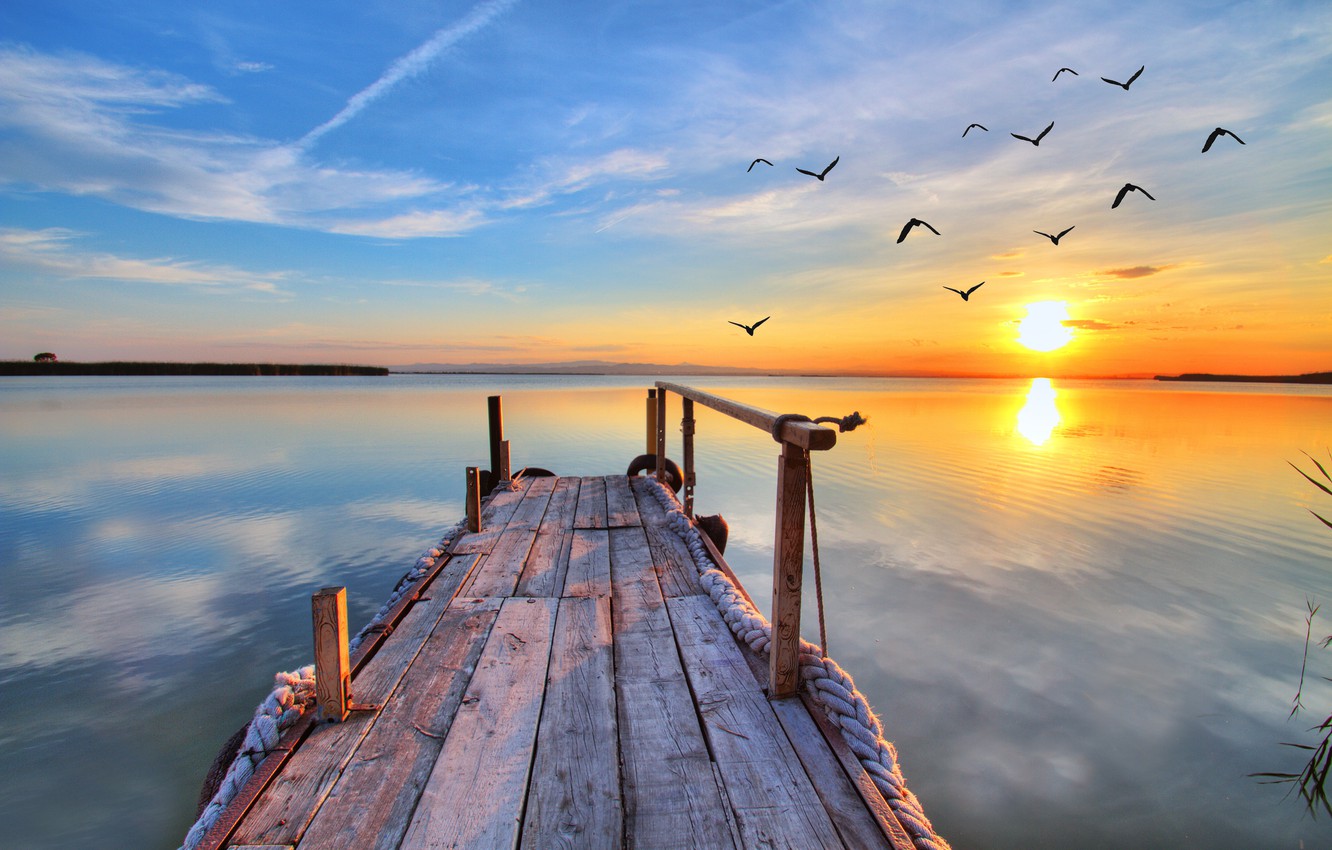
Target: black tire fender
(648,463)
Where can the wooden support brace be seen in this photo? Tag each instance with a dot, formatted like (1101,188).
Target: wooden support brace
(332,666)
(473,499)
(659,439)
(687,430)
(787,573)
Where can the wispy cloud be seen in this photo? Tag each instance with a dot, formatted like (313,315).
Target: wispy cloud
(83,126)
(410,65)
(1136,271)
(53,250)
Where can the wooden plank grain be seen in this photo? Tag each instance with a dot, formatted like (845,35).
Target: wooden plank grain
(574,797)
(498,573)
(671,798)
(372,802)
(475,793)
(589,563)
(282,812)
(495,514)
(674,565)
(543,572)
(591,504)
(621,509)
(768,788)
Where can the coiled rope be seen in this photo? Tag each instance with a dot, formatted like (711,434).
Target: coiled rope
(294,694)
(829,685)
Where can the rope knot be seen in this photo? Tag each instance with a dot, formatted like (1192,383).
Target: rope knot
(845,423)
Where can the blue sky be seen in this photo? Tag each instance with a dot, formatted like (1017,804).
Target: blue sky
(505,181)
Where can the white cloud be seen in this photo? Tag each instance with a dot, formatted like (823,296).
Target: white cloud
(53,250)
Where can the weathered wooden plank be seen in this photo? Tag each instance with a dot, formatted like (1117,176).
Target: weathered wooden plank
(675,567)
(282,812)
(574,796)
(768,789)
(543,572)
(787,572)
(591,504)
(589,563)
(533,506)
(621,508)
(373,800)
(671,798)
(495,513)
(498,573)
(475,793)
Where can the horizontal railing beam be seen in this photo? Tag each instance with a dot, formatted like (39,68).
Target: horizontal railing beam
(806,435)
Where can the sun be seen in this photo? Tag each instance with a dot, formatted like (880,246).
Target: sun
(1043,329)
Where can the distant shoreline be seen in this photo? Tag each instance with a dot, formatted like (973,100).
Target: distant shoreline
(121,367)
(1307,378)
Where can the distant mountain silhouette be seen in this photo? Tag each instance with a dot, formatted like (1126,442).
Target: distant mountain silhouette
(1306,378)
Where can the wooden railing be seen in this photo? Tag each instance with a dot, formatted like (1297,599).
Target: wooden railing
(798,439)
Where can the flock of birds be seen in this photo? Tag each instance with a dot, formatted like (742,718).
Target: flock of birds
(1036,141)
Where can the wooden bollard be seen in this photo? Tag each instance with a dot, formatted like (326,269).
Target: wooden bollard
(473,499)
(659,439)
(788,564)
(499,471)
(332,664)
(505,471)
(687,430)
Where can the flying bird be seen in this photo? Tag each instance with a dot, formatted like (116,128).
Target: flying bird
(1125,86)
(821,174)
(966,296)
(911,224)
(749,329)
(1037,140)
(754,163)
(1062,70)
(1055,239)
(969,126)
(1129,187)
(1215,134)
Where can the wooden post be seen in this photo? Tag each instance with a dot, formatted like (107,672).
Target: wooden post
(659,439)
(687,429)
(496,439)
(651,422)
(504,469)
(473,499)
(332,667)
(787,573)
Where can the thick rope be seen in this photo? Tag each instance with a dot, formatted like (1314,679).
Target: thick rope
(828,684)
(294,694)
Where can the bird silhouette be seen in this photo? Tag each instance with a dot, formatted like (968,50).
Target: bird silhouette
(1215,134)
(754,163)
(911,224)
(1129,187)
(1125,86)
(749,329)
(969,126)
(1054,239)
(966,296)
(1062,70)
(821,174)
(1037,140)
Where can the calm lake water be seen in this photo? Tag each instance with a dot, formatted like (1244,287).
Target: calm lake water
(1077,607)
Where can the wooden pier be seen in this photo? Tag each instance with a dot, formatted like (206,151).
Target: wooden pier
(559,679)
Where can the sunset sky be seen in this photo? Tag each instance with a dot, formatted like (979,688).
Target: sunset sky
(507,181)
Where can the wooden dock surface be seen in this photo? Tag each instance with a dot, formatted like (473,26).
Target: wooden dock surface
(563,681)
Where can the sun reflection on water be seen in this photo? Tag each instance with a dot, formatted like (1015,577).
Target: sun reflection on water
(1040,415)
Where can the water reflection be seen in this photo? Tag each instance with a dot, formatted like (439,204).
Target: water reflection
(1039,416)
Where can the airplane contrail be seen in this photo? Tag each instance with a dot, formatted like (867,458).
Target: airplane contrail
(410,65)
